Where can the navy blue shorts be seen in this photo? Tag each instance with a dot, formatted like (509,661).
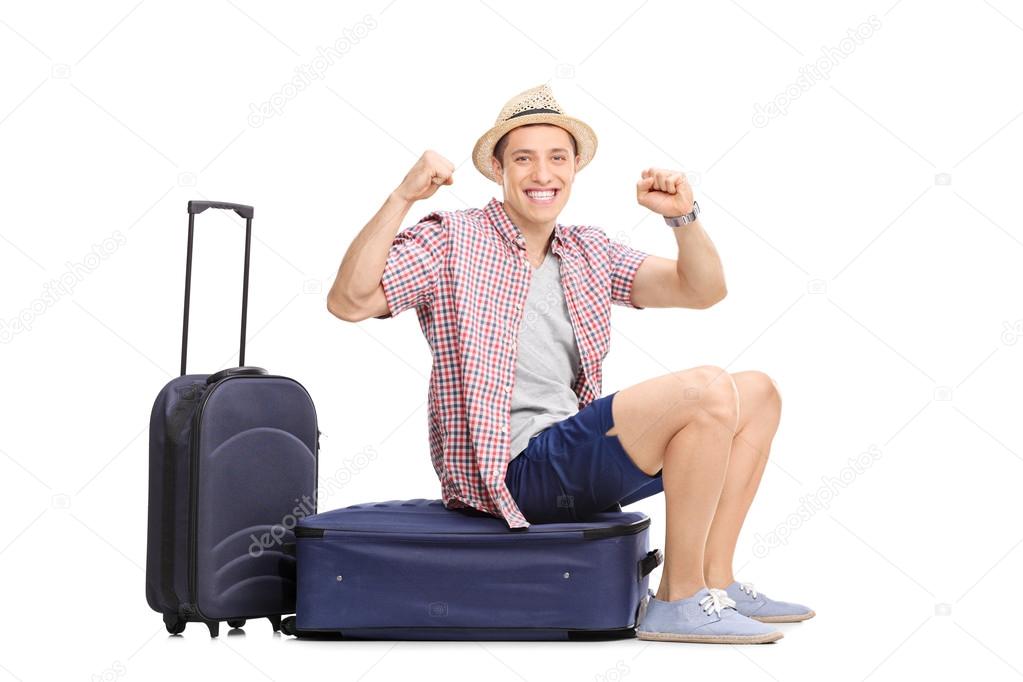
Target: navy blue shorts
(572,470)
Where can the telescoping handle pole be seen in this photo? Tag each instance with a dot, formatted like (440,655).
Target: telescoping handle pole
(246,212)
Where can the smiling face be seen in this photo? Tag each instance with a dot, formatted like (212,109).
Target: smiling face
(539,164)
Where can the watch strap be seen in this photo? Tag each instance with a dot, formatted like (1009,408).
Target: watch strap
(678,221)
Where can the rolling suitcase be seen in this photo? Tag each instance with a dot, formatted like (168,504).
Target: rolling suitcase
(232,465)
(413,569)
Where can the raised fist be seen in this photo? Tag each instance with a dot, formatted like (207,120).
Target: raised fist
(430,172)
(665,192)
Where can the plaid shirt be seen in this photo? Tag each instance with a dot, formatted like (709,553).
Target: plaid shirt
(467,274)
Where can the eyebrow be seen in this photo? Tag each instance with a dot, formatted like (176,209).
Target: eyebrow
(533,151)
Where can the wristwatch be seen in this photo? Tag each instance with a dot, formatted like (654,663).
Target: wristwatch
(678,221)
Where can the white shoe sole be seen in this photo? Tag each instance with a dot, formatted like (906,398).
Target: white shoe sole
(710,639)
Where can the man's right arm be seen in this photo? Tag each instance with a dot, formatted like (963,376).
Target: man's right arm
(357,292)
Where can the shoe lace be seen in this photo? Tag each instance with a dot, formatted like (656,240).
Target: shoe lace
(748,589)
(716,601)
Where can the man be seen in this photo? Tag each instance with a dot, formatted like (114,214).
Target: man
(516,309)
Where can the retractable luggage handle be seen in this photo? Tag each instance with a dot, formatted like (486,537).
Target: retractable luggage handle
(246,212)
(200,206)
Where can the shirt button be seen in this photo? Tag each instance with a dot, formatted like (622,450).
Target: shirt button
(504,429)
(507,388)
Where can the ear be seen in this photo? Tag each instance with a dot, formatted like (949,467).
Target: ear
(495,166)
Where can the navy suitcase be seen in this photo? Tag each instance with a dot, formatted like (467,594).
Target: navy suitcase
(232,465)
(413,569)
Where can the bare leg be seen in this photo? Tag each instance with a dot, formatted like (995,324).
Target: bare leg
(682,424)
(759,414)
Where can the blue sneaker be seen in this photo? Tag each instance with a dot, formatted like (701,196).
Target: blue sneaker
(706,617)
(758,606)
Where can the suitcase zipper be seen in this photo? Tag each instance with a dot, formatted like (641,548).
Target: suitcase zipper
(193,516)
(618,530)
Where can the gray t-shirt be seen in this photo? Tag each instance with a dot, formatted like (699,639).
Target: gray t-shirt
(548,358)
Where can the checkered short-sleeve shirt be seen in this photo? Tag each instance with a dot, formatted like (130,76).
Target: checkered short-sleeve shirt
(467,275)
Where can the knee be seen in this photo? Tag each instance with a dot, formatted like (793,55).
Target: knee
(717,394)
(758,389)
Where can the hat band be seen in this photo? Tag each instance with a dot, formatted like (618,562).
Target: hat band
(532,111)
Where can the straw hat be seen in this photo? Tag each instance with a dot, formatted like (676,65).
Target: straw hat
(536,105)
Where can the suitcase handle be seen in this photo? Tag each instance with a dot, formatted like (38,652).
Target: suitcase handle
(235,372)
(652,560)
(246,212)
(200,206)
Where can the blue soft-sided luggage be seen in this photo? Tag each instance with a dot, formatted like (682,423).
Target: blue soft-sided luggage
(413,569)
(232,464)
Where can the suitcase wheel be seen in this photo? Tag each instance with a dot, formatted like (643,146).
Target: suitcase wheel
(288,626)
(236,622)
(275,622)
(214,626)
(175,625)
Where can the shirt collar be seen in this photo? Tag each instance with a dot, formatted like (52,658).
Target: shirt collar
(498,216)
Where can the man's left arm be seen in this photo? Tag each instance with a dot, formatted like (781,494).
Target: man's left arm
(696,279)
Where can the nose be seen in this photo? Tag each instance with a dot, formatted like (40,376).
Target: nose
(541,173)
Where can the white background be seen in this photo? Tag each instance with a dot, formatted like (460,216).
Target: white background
(871,237)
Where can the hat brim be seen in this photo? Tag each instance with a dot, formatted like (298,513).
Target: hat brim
(585,139)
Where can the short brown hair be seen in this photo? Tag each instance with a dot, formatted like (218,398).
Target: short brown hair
(502,144)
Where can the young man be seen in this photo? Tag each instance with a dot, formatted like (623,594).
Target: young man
(516,309)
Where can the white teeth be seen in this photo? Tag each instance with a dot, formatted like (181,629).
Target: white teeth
(541,195)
